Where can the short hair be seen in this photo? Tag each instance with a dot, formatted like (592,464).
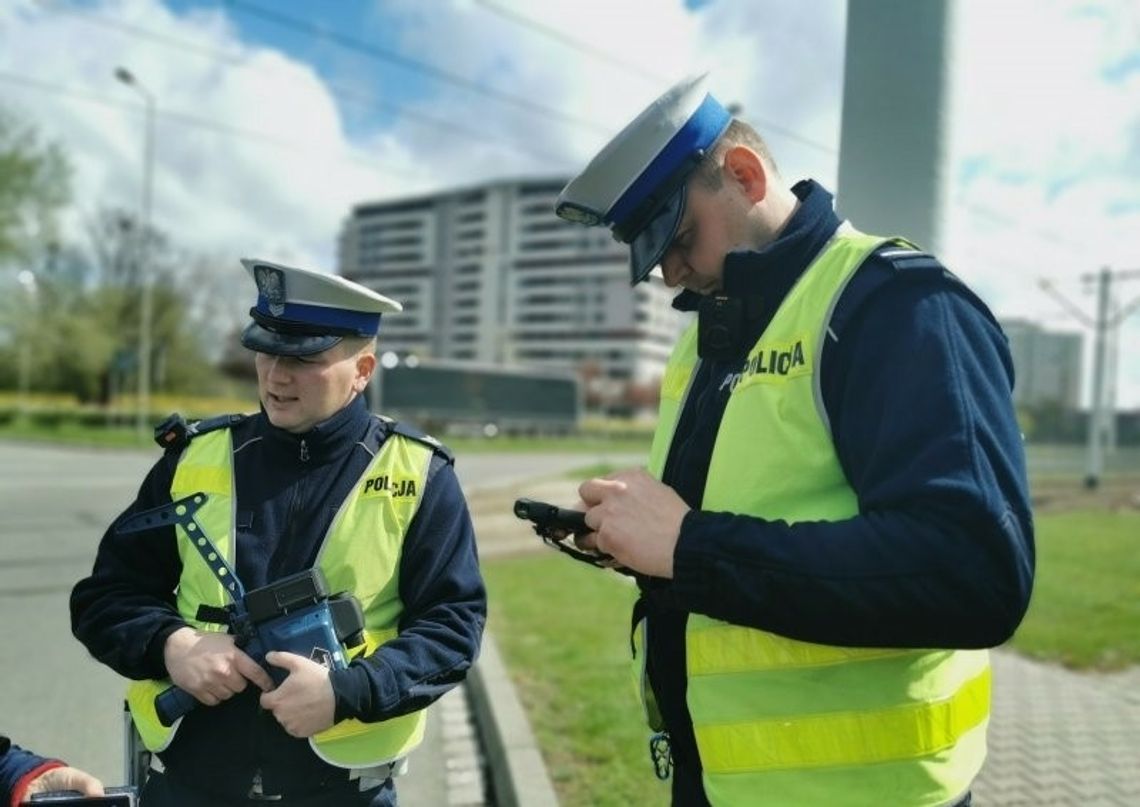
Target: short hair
(352,345)
(738,133)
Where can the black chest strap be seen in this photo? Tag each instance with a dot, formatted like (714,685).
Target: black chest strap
(175,432)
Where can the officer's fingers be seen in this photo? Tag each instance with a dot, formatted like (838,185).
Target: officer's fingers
(593,491)
(279,659)
(587,541)
(223,691)
(206,697)
(252,671)
(66,778)
(268,700)
(286,661)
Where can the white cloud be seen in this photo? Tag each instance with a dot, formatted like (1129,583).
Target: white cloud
(1046,155)
(250,153)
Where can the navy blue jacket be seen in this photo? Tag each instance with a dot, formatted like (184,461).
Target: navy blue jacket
(15,764)
(916,378)
(288,487)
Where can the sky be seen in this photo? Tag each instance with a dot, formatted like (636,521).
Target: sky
(275,117)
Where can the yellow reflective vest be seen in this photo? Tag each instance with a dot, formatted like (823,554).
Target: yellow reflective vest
(360,554)
(780,721)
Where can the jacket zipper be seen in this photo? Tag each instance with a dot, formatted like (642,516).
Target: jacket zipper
(304,451)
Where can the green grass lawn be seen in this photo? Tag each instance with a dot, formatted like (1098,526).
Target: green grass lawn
(75,434)
(1085,610)
(563,630)
(69,433)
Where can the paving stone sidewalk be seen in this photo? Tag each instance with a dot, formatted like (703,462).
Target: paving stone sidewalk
(1059,737)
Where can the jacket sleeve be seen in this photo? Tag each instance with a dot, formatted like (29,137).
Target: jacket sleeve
(445,609)
(125,609)
(941,553)
(17,768)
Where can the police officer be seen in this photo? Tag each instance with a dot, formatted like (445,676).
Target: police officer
(23,774)
(835,518)
(312,480)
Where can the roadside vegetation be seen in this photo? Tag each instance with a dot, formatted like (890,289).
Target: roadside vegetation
(50,419)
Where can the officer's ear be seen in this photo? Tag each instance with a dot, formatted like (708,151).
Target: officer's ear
(365,366)
(744,168)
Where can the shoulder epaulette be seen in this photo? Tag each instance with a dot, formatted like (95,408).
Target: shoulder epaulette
(176,433)
(903,258)
(412,433)
(897,259)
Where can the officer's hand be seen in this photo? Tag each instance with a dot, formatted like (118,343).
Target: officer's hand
(210,666)
(304,704)
(635,518)
(65,779)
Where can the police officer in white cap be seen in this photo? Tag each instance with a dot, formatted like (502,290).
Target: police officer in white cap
(836,486)
(312,480)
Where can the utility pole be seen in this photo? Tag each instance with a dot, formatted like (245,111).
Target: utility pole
(1096,413)
(1108,319)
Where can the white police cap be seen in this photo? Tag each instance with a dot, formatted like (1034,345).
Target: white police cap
(636,184)
(300,312)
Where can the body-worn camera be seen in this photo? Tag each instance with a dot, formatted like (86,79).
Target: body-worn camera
(720,327)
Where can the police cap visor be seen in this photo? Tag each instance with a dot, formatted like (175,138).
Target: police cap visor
(263,340)
(649,246)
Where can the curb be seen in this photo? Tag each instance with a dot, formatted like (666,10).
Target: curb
(518,773)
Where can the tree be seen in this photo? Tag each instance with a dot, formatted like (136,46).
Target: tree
(35,183)
(193,300)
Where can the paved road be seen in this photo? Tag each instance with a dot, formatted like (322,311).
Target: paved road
(55,503)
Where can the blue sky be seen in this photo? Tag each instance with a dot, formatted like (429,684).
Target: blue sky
(267,135)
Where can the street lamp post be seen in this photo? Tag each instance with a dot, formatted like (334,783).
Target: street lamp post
(27,279)
(145,315)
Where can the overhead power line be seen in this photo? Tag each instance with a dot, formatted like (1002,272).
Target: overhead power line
(208,51)
(381,54)
(629,67)
(31,82)
(572,42)
(337,89)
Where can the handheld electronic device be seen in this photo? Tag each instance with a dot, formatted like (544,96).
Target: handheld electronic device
(113,797)
(558,525)
(550,517)
(296,614)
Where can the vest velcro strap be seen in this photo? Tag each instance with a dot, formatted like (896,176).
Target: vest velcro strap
(828,740)
(215,615)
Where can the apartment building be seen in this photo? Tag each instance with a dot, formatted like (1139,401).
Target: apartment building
(489,274)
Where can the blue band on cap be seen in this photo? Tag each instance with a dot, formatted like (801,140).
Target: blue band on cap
(700,131)
(363,322)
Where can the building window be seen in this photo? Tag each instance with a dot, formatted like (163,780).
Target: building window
(539,190)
